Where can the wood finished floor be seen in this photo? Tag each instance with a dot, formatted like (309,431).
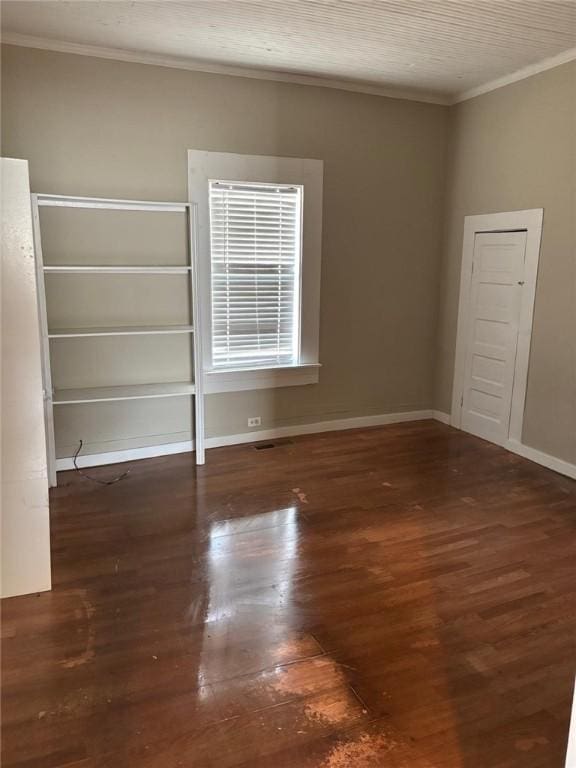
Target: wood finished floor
(399,597)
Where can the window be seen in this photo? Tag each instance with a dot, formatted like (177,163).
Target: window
(259,237)
(255,248)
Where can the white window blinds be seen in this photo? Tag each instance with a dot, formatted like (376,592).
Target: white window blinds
(255,234)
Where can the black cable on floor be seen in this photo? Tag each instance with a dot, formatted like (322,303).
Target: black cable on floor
(96,479)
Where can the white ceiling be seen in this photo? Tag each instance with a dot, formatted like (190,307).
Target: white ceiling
(437,50)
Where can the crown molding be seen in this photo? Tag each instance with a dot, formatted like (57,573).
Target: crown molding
(520,74)
(195,65)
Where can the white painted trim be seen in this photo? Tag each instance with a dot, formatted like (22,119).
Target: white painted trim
(204,166)
(134,454)
(531,221)
(533,454)
(571,747)
(539,457)
(336,425)
(104,203)
(199,411)
(122,392)
(520,74)
(358,422)
(264,378)
(195,65)
(45,344)
(109,269)
(440,416)
(131,454)
(127,330)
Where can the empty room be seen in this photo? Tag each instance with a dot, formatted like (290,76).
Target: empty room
(288,384)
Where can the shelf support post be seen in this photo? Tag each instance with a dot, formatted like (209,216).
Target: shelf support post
(197,337)
(44,346)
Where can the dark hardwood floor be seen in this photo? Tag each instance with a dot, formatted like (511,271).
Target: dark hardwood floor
(399,597)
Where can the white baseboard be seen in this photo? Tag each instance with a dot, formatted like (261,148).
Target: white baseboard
(539,457)
(128,454)
(551,462)
(320,426)
(132,454)
(441,416)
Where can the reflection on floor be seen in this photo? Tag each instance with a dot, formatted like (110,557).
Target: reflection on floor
(400,597)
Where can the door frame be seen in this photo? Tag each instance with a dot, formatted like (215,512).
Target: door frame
(530,221)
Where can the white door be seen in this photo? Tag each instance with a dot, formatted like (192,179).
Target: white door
(492,337)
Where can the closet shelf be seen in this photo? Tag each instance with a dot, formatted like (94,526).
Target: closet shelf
(122,330)
(71,269)
(125,392)
(74,201)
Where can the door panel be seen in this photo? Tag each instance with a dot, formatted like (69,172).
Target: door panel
(495,301)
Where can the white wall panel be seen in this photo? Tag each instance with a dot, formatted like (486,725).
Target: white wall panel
(25,518)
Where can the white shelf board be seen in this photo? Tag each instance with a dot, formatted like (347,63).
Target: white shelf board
(72,201)
(126,330)
(72,269)
(125,392)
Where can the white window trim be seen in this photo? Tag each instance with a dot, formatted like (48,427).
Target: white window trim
(204,166)
(531,221)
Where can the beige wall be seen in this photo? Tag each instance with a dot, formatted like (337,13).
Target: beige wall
(96,127)
(511,149)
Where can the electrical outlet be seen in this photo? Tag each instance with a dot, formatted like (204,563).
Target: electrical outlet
(254,421)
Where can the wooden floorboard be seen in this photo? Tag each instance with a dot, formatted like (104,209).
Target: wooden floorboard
(397,597)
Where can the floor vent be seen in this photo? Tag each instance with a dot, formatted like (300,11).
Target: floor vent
(276,444)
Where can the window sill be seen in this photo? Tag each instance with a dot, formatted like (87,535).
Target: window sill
(238,380)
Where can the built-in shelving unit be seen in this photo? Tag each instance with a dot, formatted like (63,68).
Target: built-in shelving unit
(93,395)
